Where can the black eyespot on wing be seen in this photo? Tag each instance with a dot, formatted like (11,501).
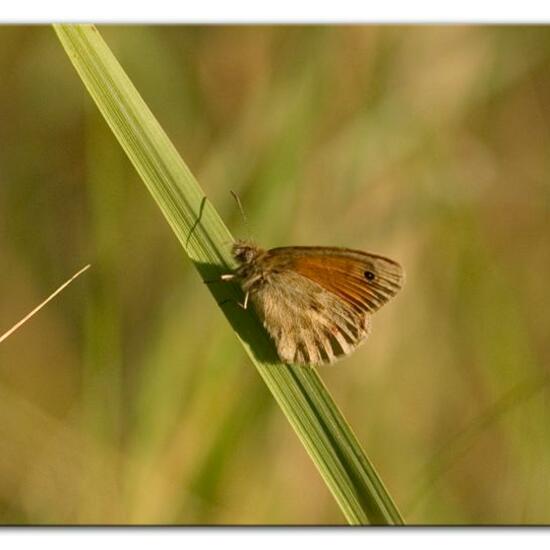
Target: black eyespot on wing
(369,275)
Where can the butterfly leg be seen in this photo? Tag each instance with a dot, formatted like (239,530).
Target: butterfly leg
(244,305)
(226,277)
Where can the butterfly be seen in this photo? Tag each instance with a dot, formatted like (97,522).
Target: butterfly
(315,302)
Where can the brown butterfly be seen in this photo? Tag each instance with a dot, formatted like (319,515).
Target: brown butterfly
(315,302)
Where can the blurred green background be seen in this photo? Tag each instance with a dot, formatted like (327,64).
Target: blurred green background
(129,400)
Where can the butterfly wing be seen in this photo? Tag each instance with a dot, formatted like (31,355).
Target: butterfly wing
(309,325)
(364,281)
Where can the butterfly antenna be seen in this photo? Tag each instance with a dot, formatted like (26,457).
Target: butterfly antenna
(245,219)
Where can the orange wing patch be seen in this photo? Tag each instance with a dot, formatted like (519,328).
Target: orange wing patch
(365,281)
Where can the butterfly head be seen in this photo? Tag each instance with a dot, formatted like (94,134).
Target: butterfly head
(245,252)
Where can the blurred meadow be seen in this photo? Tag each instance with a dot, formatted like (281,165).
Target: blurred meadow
(128,399)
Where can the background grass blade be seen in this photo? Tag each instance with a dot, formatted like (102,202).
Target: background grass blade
(299,392)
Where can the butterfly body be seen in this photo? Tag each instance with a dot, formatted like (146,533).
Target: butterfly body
(315,302)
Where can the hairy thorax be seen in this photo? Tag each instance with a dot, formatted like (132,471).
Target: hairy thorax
(252,276)
(258,267)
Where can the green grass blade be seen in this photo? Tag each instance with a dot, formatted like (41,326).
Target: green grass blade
(299,392)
